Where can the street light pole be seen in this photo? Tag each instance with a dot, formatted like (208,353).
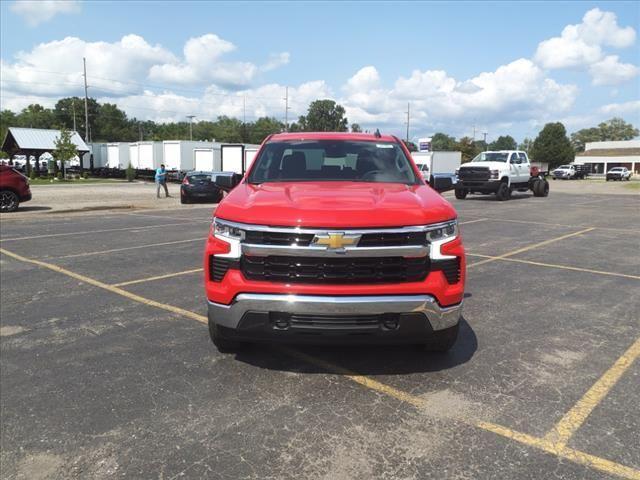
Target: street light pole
(191,117)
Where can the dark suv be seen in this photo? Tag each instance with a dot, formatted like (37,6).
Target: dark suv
(14,188)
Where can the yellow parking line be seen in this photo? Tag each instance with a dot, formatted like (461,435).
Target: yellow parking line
(149,245)
(158,277)
(110,288)
(530,247)
(553,265)
(574,418)
(528,222)
(545,445)
(66,234)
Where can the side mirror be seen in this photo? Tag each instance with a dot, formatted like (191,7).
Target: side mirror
(227,181)
(441,183)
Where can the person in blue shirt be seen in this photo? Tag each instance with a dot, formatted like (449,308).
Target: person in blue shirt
(161,181)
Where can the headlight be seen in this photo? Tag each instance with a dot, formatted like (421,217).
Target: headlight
(443,231)
(494,174)
(220,228)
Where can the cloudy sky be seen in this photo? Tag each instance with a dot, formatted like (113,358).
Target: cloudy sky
(494,66)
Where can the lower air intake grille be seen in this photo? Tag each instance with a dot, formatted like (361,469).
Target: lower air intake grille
(218,267)
(450,268)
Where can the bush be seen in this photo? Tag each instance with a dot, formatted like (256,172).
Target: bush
(85,175)
(33,174)
(131,173)
(60,176)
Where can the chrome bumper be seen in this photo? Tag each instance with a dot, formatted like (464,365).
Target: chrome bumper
(439,317)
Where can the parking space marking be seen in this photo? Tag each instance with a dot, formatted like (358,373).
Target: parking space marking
(101,252)
(86,232)
(530,247)
(527,222)
(574,418)
(553,447)
(553,265)
(106,286)
(165,217)
(473,221)
(157,277)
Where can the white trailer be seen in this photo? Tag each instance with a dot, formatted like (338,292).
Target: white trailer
(99,152)
(250,152)
(439,162)
(145,155)
(179,155)
(207,159)
(118,155)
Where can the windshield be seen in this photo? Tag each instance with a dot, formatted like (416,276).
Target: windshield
(332,160)
(568,167)
(491,157)
(617,169)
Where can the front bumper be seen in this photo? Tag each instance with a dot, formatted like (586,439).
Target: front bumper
(390,318)
(483,186)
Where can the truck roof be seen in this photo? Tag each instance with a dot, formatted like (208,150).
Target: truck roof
(366,137)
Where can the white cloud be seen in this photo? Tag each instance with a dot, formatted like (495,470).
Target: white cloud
(631,108)
(610,71)
(276,61)
(582,46)
(36,12)
(516,92)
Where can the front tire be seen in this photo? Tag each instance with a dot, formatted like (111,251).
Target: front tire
(461,193)
(222,342)
(541,188)
(9,201)
(504,192)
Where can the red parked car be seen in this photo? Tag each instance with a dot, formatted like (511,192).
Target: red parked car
(333,237)
(14,188)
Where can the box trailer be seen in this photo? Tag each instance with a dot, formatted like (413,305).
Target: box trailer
(438,168)
(179,155)
(250,152)
(118,155)
(99,152)
(145,155)
(207,159)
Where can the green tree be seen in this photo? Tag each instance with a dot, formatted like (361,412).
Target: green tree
(262,128)
(617,129)
(64,112)
(581,137)
(526,145)
(443,142)
(65,149)
(469,148)
(324,116)
(7,119)
(36,116)
(552,145)
(504,142)
(356,128)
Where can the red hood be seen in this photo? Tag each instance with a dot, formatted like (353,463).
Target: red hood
(335,204)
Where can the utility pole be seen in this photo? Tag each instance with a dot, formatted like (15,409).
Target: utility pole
(73,108)
(286,109)
(244,109)
(86,103)
(408,119)
(191,117)
(485,141)
(140,130)
(474,132)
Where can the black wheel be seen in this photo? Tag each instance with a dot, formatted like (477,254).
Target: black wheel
(184,199)
(222,342)
(461,193)
(442,340)
(9,201)
(504,192)
(541,188)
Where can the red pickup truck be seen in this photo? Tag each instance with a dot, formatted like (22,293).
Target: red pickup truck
(333,237)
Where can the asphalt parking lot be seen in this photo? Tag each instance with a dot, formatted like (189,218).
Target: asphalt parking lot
(108,371)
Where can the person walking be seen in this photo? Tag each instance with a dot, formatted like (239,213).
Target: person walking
(161,181)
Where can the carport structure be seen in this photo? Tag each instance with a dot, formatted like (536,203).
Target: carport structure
(34,142)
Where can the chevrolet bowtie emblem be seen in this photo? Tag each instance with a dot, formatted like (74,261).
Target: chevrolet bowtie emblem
(335,240)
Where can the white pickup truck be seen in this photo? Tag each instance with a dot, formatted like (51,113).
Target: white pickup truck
(500,172)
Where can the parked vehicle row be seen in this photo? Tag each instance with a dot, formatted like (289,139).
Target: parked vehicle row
(569,172)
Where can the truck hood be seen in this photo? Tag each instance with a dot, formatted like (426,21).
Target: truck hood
(335,205)
(489,165)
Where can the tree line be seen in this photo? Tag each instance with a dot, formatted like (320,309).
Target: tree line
(107,123)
